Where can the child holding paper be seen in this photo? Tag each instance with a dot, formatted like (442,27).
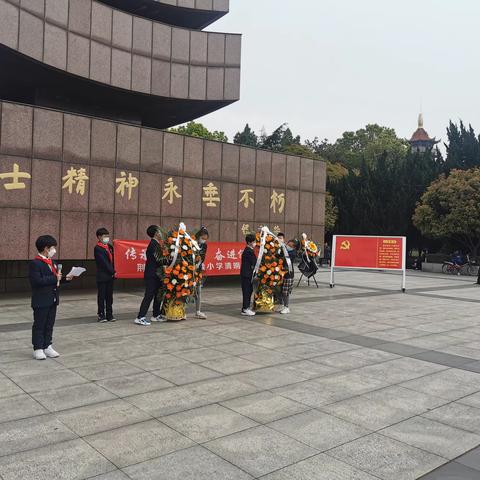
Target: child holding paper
(45,279)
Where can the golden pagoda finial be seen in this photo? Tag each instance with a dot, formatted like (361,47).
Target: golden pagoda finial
(420,120)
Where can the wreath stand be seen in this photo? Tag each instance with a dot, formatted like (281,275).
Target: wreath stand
(308,268)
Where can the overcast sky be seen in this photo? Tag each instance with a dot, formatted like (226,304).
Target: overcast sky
(326,66)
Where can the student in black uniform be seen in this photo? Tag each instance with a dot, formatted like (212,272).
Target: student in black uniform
(105,275)
(202,238)
(249,260)
(45,278)
(152,280)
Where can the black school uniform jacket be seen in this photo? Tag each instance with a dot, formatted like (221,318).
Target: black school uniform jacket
(44,284)
(249,260)
(105,267)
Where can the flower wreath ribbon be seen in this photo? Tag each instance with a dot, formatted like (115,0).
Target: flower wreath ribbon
(195,246)
(265,231)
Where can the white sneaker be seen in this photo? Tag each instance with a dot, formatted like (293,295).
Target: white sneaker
(39,355)
(142,321)
(285,310)
(51,353)
(200,315)
(248,312)
(160,318)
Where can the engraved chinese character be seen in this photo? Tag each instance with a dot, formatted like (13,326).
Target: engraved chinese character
(246,198)
(171,191)
(277,202)
(75,177)
(15,176)
(211,195)
(245,228)
(126,182)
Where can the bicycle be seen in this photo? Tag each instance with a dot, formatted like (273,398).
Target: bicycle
(468,268)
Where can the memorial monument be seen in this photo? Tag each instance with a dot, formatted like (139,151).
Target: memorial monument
(86,87)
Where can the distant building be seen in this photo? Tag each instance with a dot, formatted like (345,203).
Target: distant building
(421,141)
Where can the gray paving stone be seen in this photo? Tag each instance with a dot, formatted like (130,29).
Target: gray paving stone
(448,384)
(471,459)
(29,367)
(18,407)
(137,443)
(260,450)
(400,370)
(472,400)
(400,349)
(186,374)
(208,423)
(178,399)
(308,369)
(446,359)
(270,377)
(200,355)
(156,362)
(387,458)
(305,427)
(457,415)
(72,460)
(265,407)
(239,348)
(231,365)
(453,471)
(107,370)
(194,463)
(134,384)
(319,467)
(115,475)
(30,433)
(72,397)
(434,437)
(101,417)
(8,388)
(85,358)
(40,382)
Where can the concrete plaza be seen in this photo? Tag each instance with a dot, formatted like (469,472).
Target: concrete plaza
(360,382)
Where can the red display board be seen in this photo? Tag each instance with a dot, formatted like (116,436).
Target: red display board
(365,252)
(223,258)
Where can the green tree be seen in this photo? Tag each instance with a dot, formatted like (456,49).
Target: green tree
(331,213)
(463,149)
(280,138)
(247,137)
(367,144)
(194,129)
(450,209)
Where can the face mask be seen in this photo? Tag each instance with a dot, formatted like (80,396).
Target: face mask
(201,241)
(52,252)
(105,240)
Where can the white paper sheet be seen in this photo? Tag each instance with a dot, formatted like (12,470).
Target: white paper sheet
(76,271)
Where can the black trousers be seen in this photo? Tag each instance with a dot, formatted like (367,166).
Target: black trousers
(152,285)
(42,329)
(105,299)
(247,290)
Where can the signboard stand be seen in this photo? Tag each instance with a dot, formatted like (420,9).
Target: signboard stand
(362,252)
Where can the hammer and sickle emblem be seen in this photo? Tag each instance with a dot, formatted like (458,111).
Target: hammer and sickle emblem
(345,245)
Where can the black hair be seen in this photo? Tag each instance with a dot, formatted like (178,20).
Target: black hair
(102,231)
(203,231)
(45,241)
(152,230)
(280,234)
(250,238)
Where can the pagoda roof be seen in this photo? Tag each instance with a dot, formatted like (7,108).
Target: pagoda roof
(421,135)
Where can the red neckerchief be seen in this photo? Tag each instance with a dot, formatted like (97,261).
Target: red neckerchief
(49,262)
(107,249)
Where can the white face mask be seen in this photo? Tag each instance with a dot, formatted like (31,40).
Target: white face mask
(105,240)
(202,241)
(52,252)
